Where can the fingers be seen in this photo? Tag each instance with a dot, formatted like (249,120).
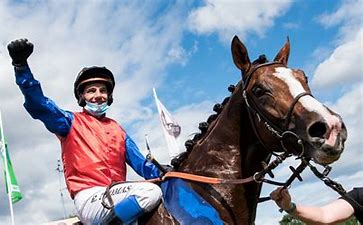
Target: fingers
(19,45)
(278,193)
(19,51)
(282,197)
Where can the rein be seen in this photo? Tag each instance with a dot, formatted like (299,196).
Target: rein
(337,187)
(258,177)
(207,180)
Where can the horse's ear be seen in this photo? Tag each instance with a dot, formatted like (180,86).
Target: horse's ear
(283,55)
(240,55)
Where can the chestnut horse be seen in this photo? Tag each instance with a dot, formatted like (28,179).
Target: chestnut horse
(270,110)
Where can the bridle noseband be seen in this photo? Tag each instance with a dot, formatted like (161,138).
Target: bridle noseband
(254,111)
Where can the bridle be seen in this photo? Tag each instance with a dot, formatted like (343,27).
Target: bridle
(255,112)
(282,134)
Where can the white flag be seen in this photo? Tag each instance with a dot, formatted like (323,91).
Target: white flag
(171,128)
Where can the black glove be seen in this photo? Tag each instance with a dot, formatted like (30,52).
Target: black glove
(19,51)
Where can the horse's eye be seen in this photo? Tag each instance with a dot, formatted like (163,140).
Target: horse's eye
(258,91)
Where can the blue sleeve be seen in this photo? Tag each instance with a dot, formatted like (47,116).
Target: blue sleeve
(138,162)
(40,107)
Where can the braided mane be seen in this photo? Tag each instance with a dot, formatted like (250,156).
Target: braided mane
(203,126)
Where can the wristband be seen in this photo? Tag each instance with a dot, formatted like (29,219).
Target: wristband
(291,209)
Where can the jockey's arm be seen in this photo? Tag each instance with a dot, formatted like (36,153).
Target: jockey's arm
(56,120)
(138,162)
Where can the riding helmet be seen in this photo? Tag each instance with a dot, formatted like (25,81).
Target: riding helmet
(93,74)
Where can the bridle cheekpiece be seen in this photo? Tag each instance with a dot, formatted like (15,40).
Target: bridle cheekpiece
(281,133)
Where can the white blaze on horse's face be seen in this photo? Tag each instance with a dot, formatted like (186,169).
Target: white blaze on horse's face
(333,122)
(295,88)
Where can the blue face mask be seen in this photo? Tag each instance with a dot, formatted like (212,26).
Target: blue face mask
(96,109)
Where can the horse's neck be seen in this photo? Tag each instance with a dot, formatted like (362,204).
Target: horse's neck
(217,153)
(225,152)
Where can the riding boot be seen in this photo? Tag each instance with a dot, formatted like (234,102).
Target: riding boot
(125,212)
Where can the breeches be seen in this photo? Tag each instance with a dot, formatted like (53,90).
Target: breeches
(91,211)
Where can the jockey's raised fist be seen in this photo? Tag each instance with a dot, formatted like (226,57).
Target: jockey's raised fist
(19,51)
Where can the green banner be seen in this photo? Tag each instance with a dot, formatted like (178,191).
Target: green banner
(15,190)
(9,174)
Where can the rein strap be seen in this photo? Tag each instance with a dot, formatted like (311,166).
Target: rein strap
(258,177)
(205,179)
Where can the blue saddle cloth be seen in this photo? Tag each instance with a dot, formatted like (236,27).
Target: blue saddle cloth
(187,206)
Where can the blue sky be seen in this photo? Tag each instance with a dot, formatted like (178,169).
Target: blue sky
(182,48)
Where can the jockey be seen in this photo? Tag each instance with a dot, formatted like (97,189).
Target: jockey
(95,148)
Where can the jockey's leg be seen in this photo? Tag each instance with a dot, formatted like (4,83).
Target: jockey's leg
(124,212)
(131,200)
(142,197)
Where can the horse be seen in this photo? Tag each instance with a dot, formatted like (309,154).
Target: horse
(270,110)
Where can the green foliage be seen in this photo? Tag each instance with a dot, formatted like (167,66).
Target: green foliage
(351,221)
(289,220)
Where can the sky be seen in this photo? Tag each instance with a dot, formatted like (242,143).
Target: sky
(182,48)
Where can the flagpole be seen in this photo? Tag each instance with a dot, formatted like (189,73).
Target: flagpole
(9,186)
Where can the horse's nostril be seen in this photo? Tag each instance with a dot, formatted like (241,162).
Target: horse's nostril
(318,129)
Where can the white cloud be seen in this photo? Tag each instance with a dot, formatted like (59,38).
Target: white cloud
(230,17)
(343,66)
(349,13)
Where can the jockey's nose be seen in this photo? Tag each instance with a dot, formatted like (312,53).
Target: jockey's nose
(98,93)
(99,96)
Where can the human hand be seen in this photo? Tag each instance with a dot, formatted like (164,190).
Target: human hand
(282,198)
(19,51)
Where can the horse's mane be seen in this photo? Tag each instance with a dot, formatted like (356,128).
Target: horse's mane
(203,126)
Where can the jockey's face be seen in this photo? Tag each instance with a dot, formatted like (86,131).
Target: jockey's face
(96,93)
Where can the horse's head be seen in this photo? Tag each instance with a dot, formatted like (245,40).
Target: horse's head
(284,114)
